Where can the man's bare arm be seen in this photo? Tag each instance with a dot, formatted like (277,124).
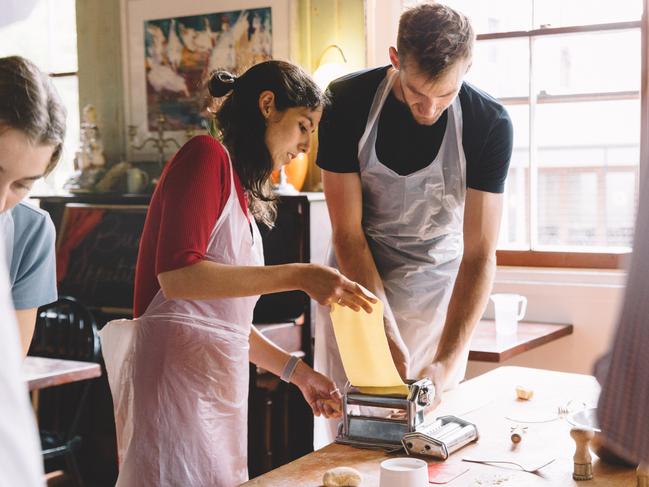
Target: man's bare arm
(26,323)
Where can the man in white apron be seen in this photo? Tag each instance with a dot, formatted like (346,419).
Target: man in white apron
(414,163)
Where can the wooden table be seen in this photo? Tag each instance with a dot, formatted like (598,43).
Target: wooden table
(486,400)
(41,372)
(486,346)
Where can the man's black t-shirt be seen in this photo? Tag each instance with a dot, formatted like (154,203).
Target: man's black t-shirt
(405,146)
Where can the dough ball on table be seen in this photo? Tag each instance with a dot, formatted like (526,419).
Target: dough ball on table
(524,393)
(342,477)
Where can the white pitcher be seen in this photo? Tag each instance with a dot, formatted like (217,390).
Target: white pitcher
(510,308)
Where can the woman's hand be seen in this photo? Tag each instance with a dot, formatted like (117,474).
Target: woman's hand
(327,286)
(319,391)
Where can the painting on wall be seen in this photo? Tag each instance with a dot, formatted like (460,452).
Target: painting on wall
(167,49)
(181,52)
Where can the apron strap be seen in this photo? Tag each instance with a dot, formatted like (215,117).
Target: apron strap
(380,96)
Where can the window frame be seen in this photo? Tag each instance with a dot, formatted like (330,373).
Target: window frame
(583,259)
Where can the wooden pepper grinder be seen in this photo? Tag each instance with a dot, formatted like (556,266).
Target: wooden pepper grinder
(643,475)
(583,469)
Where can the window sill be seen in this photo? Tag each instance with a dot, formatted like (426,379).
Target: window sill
(609,278)
(569,260)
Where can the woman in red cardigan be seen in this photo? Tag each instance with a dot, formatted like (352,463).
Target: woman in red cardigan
(181,401)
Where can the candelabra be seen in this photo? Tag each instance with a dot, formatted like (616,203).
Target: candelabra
(160,142)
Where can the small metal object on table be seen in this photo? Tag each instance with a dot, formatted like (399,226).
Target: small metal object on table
(529,468)
(516,433)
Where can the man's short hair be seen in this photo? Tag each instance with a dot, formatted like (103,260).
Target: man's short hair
(434,37)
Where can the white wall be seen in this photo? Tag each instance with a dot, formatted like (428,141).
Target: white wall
(100,71)
(588,299)
(381,23)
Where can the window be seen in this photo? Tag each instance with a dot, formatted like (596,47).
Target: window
(48,37)
(569,73)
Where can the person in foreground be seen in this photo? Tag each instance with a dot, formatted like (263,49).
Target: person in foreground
(624,372)
(184,359)
(32,130)
(21,462)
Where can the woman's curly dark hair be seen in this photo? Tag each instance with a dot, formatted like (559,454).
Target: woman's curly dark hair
(243,126)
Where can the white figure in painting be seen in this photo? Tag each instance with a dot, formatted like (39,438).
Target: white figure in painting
(223,55)
(204,39)
(156,50)
(198,40)
(255,47)
(174,46)
(163,77)
(188,35)
(265,39)
(260,41)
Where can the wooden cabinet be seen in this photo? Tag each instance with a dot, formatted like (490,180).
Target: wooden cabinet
(280,422)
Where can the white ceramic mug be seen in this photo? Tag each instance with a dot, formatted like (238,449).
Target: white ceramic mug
(509,309)
(403,472)
(136,180)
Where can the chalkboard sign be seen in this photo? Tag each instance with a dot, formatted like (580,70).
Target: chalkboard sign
(97,252)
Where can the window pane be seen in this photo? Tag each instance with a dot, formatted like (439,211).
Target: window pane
(48,36)
(567,208)
(501,67)
(68,88)
(621,202)
(588,63)
(578,144)
(560,13)
(514,229)
(589,133)
(587,126)
(496,15)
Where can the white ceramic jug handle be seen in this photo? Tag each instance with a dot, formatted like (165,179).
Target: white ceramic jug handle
(523,303)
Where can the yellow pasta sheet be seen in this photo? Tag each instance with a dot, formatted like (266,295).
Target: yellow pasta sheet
(364,350)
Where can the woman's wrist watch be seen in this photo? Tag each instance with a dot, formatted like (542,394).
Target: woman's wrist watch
(289,368)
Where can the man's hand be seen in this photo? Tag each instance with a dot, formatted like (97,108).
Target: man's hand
(437,373)
(398,349)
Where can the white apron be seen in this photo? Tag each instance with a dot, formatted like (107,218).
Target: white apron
(21,460)
(414,228)
(7,229)
(179,376)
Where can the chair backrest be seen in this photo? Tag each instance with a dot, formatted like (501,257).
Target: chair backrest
(66,329)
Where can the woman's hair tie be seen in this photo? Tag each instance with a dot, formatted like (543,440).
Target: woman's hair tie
(221,83)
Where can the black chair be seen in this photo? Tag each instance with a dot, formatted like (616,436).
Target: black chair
(65,329)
